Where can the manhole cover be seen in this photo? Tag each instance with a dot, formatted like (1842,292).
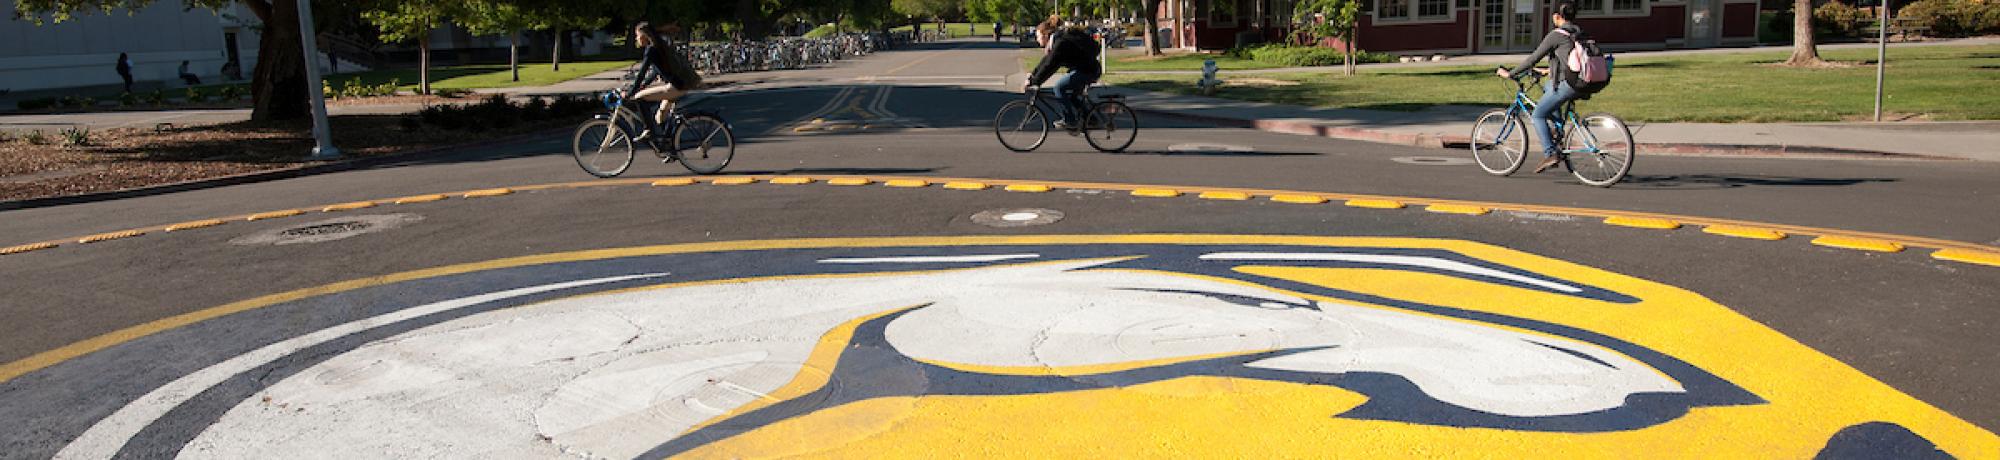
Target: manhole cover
(1433,161)
(1024,217)
(1209,148)
(328,230)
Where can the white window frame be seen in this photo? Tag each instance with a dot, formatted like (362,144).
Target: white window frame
(1215,6)
(1606,10)
(1450,15)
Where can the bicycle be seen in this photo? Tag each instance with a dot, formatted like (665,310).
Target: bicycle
(701,140)
(1108,125)
(1600,154)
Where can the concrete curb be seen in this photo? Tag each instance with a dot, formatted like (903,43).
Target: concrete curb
(264,176)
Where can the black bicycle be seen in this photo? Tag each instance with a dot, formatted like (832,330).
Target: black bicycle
(1108,125)
(699,139)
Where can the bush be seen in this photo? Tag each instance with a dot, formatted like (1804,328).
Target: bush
(451,93)
(196,95)
(128,99)
(230,93)
(36,138)
(1838,19)
(157,97)
(1954,18)
(76,137)
(1305,56)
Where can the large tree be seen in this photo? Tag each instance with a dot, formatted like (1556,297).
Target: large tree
(1805,52)
(490,17)
(277,86)
(414,20)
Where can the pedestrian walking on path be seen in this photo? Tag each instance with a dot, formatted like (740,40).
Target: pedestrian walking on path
(125,70)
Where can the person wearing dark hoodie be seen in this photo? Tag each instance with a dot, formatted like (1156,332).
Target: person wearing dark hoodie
(1072,48)
(656,60)
(1557,91)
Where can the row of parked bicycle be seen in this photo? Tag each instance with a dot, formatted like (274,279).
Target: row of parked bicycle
(785,53)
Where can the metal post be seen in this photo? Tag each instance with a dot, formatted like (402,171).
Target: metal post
(324,149)
(1881,58)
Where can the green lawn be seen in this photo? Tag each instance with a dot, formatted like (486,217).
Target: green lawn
(1133,60)
(1943,82)
(482,75)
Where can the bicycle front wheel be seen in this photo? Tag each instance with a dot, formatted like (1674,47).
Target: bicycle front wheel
(1111,127)
(705,143)
(1499,142)
(1600,150)
(1021,126)
(602,149)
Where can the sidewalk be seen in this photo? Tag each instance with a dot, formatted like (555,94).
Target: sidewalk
(1448,126)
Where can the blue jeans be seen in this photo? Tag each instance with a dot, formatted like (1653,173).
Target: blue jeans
(1554,95)
(1070,87)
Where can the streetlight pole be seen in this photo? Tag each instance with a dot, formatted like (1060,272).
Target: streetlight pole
(323,148)
(1881,58)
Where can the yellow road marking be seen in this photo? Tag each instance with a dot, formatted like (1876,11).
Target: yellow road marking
(733,181)
(1458,209)
(675,182)
(1375,204)
(349,206)
(906,183)
(791,180)
(1642,222)
(965,185)
(1859,244)
(419,199)
(274,214)
(488,192)
(1754,233)
(1970,257)
(847,181)
(109,236)
(1157,192)
(1298,199)
(1223,195)
(25,248)
(195,225)
(1029,188)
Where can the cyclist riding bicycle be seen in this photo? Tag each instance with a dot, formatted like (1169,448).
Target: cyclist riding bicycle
(657,60)
(1072,48)
(1558,90)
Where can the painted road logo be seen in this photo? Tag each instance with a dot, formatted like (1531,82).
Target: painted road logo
(1045,346)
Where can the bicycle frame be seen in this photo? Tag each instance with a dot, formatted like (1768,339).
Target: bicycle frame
(1566,121)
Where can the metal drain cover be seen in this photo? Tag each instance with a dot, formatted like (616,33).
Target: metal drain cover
(1022,217)
(1209,148)
(1432,161)
(328,230)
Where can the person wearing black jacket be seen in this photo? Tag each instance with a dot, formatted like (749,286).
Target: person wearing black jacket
(1074,49)
(654,61)
(1557,91)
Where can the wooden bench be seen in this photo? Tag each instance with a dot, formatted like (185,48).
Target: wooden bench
(1906,28)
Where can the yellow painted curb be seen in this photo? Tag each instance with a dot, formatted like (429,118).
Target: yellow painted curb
(488,192)
(1859,244)
(1375,204)
(274,214)
(1642,222)
(1457,209)
(907,183)
(1029,188)
(195,225)
(965,185)
(1970,257)
(349,206)
(1157,192)
(109,236)
(673,182)
(1754,233)
(1298,199)
(791,180)
(419,199)
(733,181)
(25,248)
(847,181)
(1231,196)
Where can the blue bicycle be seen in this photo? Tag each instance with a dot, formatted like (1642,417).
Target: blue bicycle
(1596,148)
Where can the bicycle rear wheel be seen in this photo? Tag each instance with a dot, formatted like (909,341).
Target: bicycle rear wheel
(705,143)
(1111,127)
(1021,126)
(602,149)
(1600,151)
(1499,142)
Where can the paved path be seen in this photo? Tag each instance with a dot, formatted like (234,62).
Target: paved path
(939,304)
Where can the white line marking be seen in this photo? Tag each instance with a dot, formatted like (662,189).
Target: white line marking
(928,259)
(1414,261)
(104,439)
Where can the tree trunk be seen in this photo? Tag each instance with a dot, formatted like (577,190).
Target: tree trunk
(423,61)
(278,85)
(1352,35)
(514,53)
(1805,52)
(1153,27)
(556,62)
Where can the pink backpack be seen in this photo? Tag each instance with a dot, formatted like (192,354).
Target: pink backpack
(1590,65)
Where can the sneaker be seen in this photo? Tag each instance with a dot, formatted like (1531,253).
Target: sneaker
(1062,124)
(1549,162)
(644,136)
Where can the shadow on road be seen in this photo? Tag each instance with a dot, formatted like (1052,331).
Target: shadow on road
(1715,181)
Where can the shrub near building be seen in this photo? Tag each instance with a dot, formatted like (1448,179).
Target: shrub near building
(1955,18)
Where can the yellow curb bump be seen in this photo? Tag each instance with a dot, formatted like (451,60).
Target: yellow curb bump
(733,181)
(906,183)
(195,225)
(349,206)
(1375,204)
(1298,199)
(419,199)
(488,192)
(966,185)
(1642,222)
(274,214)
(847,181)
(1231,196)
(1029,188)
(675,182)
(1754,233)
(791,180)
(25,248)
(1968,256)
(1157,192)
(1858,244)
(109,236)
(1457,209)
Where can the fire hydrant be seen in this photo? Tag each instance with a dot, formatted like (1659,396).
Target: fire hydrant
(1208,81)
